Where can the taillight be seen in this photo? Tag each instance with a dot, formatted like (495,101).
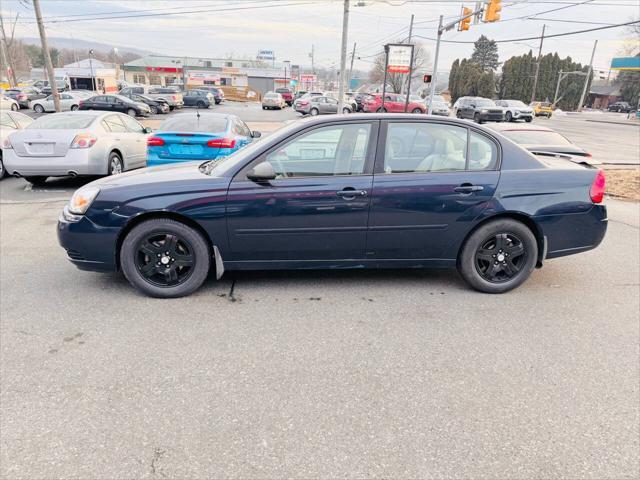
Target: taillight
(596,192)
(80,103)
(304,103)
(222,143)
(155,142)
(22,96)
(6,143)
(83,140)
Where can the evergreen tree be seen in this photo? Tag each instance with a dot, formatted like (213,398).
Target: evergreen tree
(485,54)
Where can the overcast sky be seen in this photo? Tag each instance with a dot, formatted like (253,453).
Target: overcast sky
(290,27)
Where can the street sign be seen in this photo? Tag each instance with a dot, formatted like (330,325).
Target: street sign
(308,78)
(266,55)
(426,78)
(399,58)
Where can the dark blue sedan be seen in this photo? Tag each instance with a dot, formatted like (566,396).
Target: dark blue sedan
(342,192)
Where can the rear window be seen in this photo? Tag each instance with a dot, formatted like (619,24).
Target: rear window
(283,90)
(205,123)
(536,137)
(164,90)
(60,122)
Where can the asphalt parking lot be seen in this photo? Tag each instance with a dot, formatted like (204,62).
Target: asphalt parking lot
(351,374)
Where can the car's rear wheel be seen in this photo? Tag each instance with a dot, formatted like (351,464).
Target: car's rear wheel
(36,180)
(346,110)
(508,117)
(115,164)
(528,119)
(165,258)
(15,107)
(314,111)
(499,256)
(153,109)
(38,108)
(74,108)
(131,112)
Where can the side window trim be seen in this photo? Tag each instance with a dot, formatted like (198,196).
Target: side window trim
(371,155)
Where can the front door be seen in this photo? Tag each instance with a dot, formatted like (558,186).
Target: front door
(431,180)
(317,208)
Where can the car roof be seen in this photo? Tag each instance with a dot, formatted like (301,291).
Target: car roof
(203,114)
(508,127)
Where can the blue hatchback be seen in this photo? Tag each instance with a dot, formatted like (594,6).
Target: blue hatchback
(188,137)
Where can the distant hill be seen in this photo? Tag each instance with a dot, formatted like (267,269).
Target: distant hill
(84,45)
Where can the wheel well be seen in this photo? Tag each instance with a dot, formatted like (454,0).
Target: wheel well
(151,215)
(520,217)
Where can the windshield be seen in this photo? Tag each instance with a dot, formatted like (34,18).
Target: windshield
(484,102)
(515,103)
(536,137)
(63,121)
(183,123)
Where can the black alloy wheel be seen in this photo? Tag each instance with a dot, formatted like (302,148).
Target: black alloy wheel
(500,257)
(164,259)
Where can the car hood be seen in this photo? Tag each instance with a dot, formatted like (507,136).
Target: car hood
(174,174)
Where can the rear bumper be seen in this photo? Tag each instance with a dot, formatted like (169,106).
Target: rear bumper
(88,246)
(80,161)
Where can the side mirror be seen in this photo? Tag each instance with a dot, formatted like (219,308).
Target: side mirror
(255,134)
(147,130)
(263,172)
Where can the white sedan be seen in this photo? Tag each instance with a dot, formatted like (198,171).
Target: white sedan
(8,103)
(68,101)
(11,122)
(76,143)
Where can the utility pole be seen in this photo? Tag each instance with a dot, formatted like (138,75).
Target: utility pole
(11,70)
(588,77)
(312,54)
(47,56)
(434,76)
(6,67)
(343,54)
(406,100)
(535,78)
(353,54)
(555,97)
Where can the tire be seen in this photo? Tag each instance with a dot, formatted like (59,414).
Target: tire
(314,112)
(171,108)
(264,108)
(114,165)
(381,110)
(476,118)
(36,180)
(38,108)
(458,115)
(74,108)
(2,170)
(131,112)
(528,119)
(15,107)
(201,105)
(153,109)
(481,268)
(508,117)
(549,116)
(156,237)
(416,110)
(346,110)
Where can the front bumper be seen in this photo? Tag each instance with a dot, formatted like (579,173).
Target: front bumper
(520,115)
(81,161)
(492,117)
(88,246)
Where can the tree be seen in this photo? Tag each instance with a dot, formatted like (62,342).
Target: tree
(485,54)
(397,81)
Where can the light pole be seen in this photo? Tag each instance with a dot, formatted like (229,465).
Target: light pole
(93,79)
(286,64)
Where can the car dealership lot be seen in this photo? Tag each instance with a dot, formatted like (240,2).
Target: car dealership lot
(399,373)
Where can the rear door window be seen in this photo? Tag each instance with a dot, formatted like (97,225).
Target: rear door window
(113,123)
(131,124)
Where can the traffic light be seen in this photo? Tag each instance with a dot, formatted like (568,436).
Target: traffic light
(492,13)
(465,22)
(426,78)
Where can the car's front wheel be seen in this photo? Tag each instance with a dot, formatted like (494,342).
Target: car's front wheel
(346,110)
(74,108)
(416,110)
(165,258)
(15,107)
(131,112)
(314,111)
(499,256)
(38,108)
(508,117)
(153,109)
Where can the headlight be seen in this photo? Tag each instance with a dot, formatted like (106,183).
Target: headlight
(516,112)
(82,199)
(484,110)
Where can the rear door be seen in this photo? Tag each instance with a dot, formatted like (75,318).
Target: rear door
(122,139)
(318,206)
(138,139)
(432,178)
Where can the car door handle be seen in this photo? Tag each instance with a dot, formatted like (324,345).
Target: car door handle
(351,194)
(468,188)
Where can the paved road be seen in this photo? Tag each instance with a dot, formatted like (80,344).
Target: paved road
(347,374)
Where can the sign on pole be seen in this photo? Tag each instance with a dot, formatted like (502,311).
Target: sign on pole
(400,57)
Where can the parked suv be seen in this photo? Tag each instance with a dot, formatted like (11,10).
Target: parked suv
(392,103)
(515,110)
(620,107)
(286,94)
(480,110)
(198,98)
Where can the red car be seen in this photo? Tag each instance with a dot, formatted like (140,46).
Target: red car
(286,94)
(392,103)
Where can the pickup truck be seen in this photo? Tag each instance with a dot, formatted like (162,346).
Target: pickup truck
(171,95)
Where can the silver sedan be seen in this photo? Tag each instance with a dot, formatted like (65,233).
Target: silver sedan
(76,143)
(68,101)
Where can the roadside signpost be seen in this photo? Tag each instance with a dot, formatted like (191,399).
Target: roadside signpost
(398,59)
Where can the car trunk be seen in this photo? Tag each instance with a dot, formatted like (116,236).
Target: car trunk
(188,146)
(42,143)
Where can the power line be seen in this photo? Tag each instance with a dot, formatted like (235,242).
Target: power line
(537,38)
